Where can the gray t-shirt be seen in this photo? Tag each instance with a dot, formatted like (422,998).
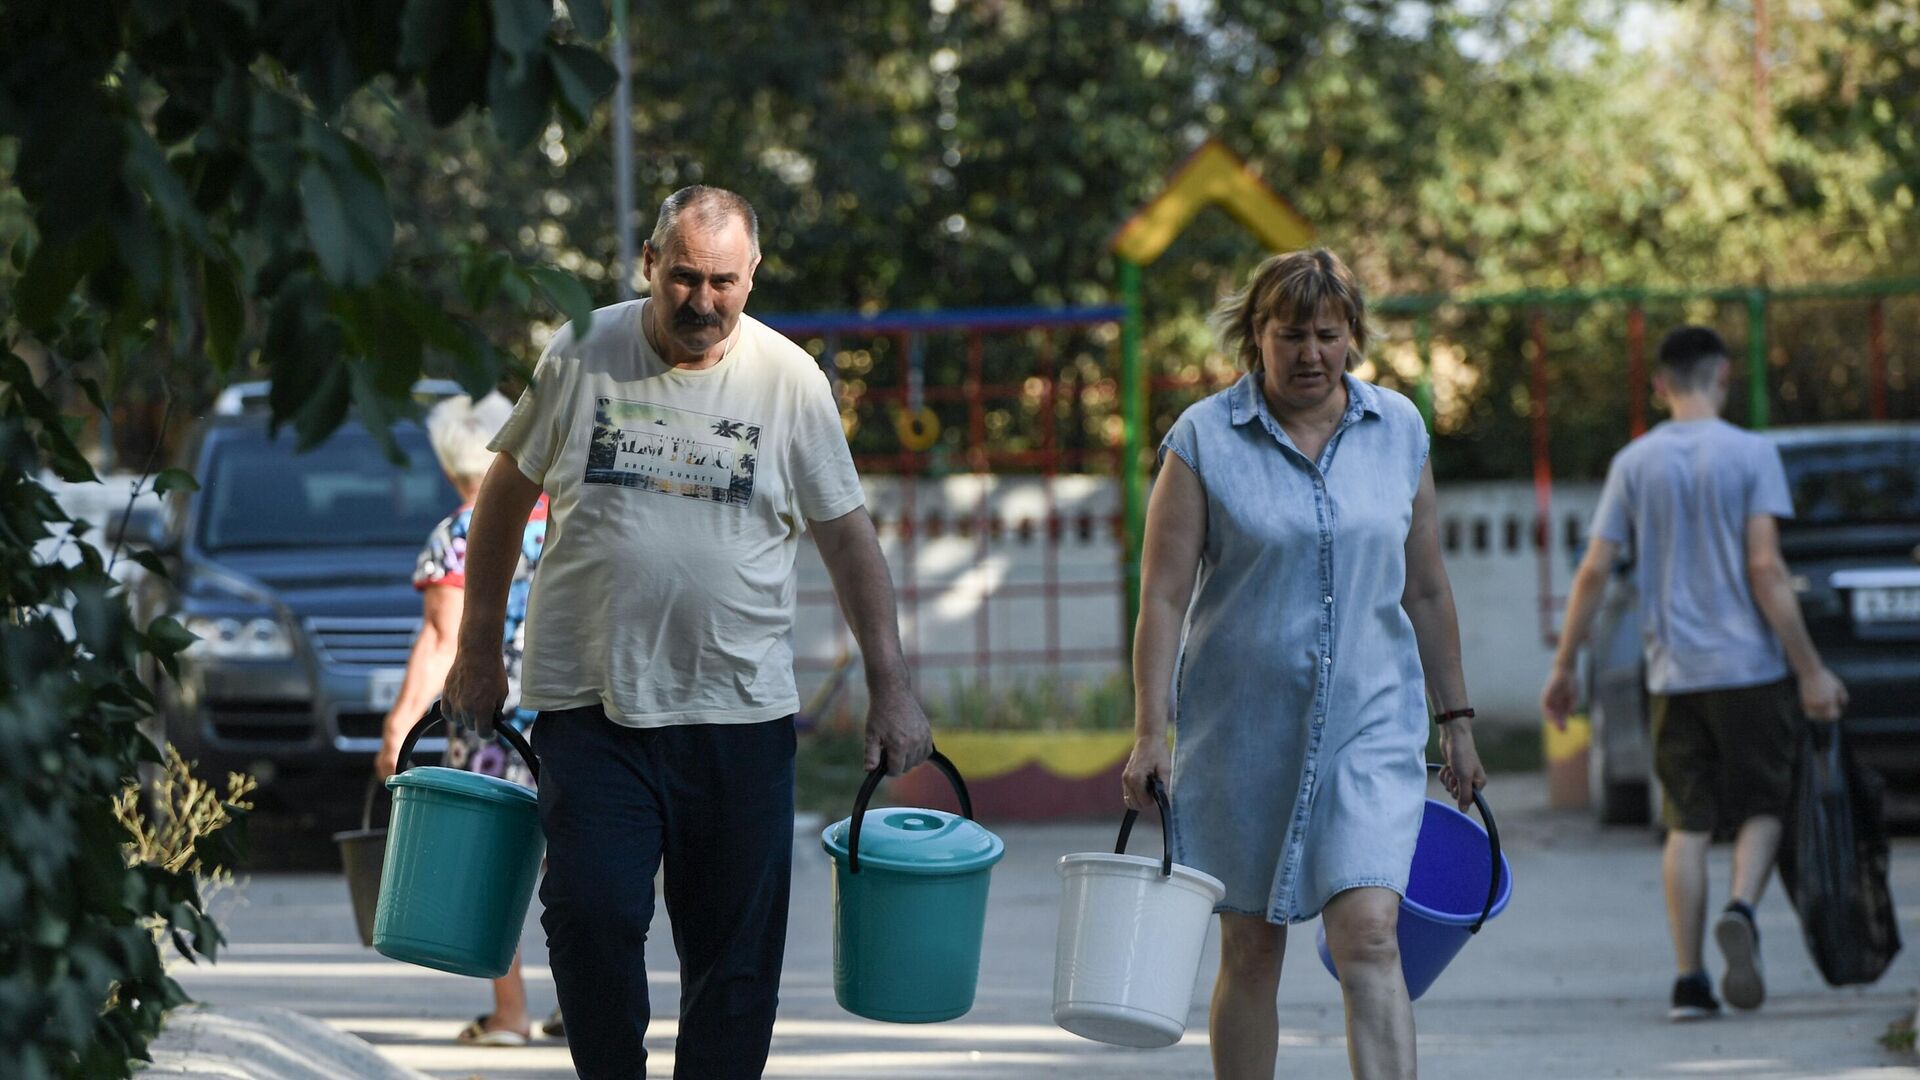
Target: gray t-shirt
(1680,497)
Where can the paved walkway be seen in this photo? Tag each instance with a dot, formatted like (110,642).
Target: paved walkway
(1570,984)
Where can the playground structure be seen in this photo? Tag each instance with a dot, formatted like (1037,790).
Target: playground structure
(1000,409)
(955,408)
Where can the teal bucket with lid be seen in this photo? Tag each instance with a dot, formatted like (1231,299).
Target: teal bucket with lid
(463,852)
(909,906)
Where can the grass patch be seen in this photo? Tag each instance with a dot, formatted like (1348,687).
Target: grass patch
(1899,1036)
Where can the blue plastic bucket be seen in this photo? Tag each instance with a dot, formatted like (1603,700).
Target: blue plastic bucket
(1451,892)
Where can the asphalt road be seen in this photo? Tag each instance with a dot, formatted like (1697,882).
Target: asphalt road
(1569,984)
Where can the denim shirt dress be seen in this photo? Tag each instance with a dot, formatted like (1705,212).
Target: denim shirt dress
(1300,705)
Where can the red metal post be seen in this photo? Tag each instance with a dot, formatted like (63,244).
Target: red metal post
(1877,357)
(1636,371)
(1050,465)
(1542,477)
(983,479)
(909,508)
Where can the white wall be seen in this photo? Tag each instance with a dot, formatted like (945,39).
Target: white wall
(1496,583)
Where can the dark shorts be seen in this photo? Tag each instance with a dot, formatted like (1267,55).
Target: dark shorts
(1725,756)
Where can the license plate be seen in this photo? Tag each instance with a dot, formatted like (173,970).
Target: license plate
(1887,605)
(383,687)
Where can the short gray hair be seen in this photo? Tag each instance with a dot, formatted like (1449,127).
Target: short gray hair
(460,429)
(709,208)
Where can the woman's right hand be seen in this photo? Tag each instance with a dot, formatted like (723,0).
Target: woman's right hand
(1150,758)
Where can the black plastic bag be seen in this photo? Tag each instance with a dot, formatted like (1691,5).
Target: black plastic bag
(1833,860)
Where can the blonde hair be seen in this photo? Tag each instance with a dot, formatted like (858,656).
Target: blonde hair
(1291,287)
(460,429)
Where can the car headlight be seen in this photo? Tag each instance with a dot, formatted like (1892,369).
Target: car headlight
(225,638)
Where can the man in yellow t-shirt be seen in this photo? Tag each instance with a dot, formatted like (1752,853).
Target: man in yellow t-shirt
(683,447)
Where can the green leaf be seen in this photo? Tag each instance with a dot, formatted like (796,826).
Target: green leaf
(378,410)
(583,76)
(480,275)
(147,167)
(69,165)
(273,137)
(171,480)
(519,26)
(377,325)
(51,275)
(518,93)
(91,388)
(63,456)
(590,18)
(568,295)
(152,563)
(224,311)
(457,81)
(165,636)
(426,29)
(137,248)
(346,211)
(325,410)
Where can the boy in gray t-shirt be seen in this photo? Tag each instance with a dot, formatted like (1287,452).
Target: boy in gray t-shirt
(1697,501)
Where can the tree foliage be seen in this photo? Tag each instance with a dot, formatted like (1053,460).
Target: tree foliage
(179,190)
(913,155)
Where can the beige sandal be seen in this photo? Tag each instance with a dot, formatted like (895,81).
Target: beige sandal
(478,1034)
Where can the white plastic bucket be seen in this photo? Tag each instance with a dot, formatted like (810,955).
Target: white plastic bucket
(1131,932)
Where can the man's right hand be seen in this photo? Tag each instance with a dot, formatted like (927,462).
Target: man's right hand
(1559,697)
(1823,696)
(475,689)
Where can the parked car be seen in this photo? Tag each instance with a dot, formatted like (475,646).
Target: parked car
(1853,548)
(295,569)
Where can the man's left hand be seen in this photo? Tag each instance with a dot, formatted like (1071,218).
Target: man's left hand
(1462,761)
(897,731)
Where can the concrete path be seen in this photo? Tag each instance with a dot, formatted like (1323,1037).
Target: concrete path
(1570,984)
(254,1042)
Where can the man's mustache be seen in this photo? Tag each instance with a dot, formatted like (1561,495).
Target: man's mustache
(692,320)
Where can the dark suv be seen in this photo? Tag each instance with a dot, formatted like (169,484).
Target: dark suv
(295,569)
(1853,549)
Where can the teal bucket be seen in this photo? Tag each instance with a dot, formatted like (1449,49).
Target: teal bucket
(909,906)
(1459,880)
(463,851)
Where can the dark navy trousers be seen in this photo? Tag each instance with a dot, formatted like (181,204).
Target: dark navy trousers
(715,802)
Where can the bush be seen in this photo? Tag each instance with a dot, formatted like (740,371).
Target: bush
(82,986)
(1049,703)
(167,817)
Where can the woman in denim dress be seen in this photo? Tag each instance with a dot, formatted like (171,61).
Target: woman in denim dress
(1293,532)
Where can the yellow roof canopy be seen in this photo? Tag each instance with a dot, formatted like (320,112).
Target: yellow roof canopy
(1211,174)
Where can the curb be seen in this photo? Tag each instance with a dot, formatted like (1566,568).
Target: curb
(202,1042)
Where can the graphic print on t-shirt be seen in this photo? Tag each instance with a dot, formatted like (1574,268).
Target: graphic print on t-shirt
(638,444)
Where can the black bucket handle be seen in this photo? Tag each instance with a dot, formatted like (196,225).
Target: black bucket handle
(1166,841)
(1493,842)
(374,788)
(873,782)
(501,730)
